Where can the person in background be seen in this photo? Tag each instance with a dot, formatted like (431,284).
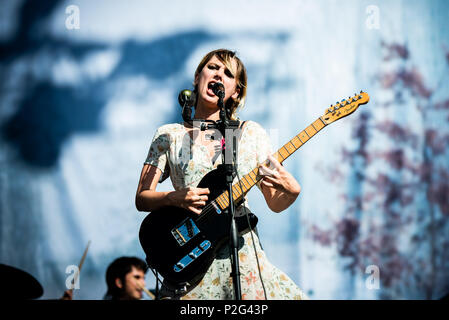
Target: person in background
(125,278)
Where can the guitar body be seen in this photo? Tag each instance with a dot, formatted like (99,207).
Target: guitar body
(180,244)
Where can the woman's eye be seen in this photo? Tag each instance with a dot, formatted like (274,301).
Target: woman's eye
(215,67)
(229,74)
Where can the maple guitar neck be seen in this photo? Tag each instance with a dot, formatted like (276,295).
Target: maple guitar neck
(335,112)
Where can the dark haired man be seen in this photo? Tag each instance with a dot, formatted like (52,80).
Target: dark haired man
(125,278)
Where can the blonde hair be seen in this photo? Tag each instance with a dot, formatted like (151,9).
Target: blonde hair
(226,56)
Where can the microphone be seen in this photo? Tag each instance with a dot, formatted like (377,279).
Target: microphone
(186,98)
(218,89)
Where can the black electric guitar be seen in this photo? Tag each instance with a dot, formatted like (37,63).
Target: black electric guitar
(181,245)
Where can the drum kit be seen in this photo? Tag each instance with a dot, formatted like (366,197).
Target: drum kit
(18,284)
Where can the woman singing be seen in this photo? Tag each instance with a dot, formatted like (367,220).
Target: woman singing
(187,154)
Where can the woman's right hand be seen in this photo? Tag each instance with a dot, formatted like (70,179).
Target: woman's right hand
(192,199)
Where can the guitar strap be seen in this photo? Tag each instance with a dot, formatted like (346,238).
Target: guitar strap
(239,137)
(241,127)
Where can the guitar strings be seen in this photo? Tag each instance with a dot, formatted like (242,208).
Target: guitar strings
(210,206)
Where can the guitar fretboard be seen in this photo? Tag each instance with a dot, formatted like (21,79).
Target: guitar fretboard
(239,189)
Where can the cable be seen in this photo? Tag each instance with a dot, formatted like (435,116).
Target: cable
(252,238)
(249,224)
(156,274)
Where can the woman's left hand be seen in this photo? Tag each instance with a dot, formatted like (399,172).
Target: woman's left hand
(278,178)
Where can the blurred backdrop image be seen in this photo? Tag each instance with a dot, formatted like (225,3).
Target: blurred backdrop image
(85,84)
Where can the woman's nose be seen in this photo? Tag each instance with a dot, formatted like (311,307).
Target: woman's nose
(218,75)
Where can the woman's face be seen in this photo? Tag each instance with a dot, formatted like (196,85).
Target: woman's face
(215,71)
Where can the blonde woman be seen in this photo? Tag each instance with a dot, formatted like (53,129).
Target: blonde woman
(187,154)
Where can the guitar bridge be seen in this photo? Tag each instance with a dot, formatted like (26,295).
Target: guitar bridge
(189,258)
(184,232)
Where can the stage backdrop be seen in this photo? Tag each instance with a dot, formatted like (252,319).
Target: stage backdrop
(85,84)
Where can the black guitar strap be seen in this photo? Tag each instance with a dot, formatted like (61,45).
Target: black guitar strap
(241,127)
(238,139)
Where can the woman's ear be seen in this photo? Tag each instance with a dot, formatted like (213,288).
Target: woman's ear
(236,94)
(118,283)
(195,82)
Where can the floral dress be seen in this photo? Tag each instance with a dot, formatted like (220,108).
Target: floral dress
(174,153)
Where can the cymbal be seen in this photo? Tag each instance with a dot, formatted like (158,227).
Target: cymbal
(18,284)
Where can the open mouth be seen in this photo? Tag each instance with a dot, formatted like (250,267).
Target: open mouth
(210,90)
(210,86)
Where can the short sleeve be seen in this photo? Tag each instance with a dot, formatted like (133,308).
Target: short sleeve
(262,145)
(262,142)
(157,154)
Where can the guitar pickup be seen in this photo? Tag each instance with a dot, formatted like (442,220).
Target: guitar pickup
(185,232)
(192,255)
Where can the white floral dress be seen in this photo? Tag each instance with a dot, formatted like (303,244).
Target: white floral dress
(174,153)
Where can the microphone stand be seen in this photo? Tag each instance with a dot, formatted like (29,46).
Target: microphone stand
(224,125)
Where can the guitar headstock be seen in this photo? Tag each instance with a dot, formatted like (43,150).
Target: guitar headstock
(345,107)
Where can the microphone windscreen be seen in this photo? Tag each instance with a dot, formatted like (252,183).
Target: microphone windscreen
(218,89)
(186,98)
